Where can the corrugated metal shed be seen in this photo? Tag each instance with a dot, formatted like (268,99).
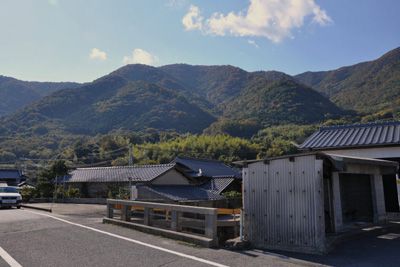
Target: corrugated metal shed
(357,135)
(284,198)
(141,173)
(182,192)
(283,203)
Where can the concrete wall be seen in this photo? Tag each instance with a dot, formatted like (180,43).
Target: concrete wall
(96,190)
(378,199)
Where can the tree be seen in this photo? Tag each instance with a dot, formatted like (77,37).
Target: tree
(46,178)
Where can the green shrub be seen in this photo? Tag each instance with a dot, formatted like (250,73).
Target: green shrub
(232,194)
(72,192)
(27,193)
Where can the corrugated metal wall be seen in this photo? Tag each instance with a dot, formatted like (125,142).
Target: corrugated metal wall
(283,203)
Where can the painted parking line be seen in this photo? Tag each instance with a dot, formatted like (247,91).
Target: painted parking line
(7,257)
(389,236)
(183,255)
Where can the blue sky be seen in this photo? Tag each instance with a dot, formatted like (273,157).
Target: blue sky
(81,40)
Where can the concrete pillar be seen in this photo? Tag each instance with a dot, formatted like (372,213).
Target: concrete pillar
(211,226)
(147,217)
(126,213)
(175,221)
(378,198)
(337,203)
(110,211)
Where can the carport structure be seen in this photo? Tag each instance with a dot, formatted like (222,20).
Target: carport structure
(293,202)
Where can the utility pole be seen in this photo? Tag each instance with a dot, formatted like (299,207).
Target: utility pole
(130,188)
(54,193)
(130,155)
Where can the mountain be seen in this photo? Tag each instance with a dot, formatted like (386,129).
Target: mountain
(179,98)
(108,104)
(274,102)
(217,84)
(149,74)
(267,97)
(366,87)
(15,94)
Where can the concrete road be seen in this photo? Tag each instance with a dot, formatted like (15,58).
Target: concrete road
(380,248)
(35,238)
(75,236)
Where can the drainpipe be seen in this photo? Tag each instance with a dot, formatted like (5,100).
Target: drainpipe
(241,224)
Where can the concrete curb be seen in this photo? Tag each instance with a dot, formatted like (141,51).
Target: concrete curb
(360,233)
(198,240)
(36,208)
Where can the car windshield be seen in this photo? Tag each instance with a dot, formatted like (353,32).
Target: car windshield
(8,190)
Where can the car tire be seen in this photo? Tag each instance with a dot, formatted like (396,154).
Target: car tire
(18,207)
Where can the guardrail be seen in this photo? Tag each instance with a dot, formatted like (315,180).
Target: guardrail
(198,221)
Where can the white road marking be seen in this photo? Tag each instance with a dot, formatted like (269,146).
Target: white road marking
(7,257)
(183,255)
(389,236)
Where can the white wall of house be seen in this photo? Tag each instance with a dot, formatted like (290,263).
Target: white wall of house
(374,152)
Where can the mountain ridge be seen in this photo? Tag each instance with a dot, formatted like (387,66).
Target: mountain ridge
(16,93)
(366,87)
(210,96)
(173,101)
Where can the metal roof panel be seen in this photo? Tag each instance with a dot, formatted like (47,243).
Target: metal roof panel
(373,134)
(140,173)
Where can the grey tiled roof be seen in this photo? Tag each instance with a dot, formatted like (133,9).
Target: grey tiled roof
(139,173)
(10,174)
(209,168)
(358,135)
(218,184)
(183,192)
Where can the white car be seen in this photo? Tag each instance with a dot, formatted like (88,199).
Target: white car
(9,197)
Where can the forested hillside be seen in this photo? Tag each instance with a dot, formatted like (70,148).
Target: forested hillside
(16,94)
(138,97)
(366,87)
(220,112)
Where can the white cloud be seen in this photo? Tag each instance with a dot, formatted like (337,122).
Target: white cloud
(96,53)
(272,19)
(140,56)
(193,20)
(253,43)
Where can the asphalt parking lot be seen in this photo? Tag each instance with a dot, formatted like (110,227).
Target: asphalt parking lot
(73,235)
(36,238)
